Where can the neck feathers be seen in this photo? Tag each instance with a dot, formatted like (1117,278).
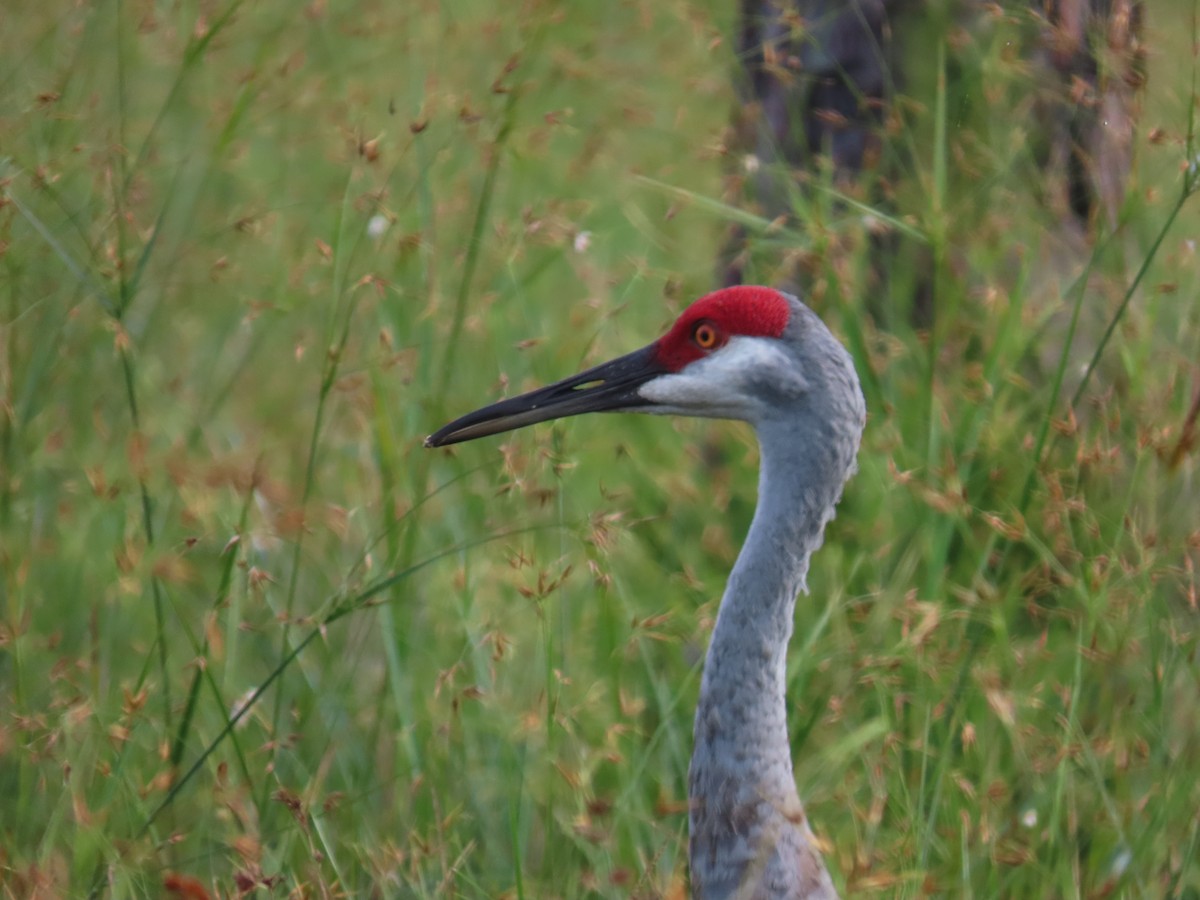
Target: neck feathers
(749,836)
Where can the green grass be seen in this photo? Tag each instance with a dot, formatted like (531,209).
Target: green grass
(252,633)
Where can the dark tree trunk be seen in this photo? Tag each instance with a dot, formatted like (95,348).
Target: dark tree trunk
(817,77)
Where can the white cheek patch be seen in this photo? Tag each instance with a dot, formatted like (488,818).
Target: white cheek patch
(721,384)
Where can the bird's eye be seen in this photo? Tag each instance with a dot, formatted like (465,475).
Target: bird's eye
(705,335)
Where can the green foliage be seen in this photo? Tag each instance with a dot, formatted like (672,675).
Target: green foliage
(252,633)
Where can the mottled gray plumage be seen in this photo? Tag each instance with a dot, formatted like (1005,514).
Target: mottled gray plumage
(749,835)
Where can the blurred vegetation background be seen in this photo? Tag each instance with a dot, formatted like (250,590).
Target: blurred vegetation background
(254,637)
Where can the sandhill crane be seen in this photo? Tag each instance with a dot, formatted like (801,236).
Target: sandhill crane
(762,356)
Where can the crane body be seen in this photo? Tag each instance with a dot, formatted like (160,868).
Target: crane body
(761,356)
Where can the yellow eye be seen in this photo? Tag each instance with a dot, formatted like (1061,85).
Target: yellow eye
(705,335)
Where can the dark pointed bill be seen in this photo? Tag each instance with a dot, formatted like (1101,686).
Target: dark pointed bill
(610,386)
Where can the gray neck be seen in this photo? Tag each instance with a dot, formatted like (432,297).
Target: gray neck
(748,830)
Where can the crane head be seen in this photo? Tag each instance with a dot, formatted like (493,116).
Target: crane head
(749,353)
